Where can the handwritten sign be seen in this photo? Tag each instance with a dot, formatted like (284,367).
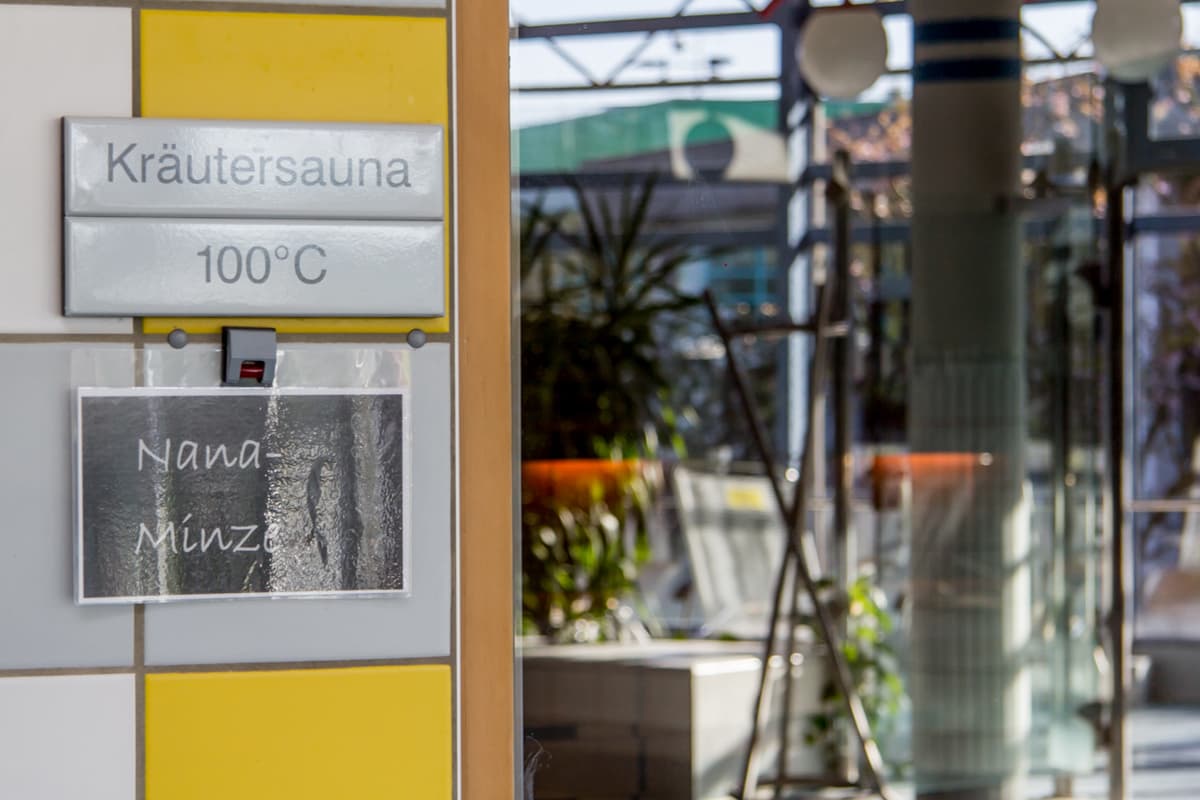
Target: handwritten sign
(186,494)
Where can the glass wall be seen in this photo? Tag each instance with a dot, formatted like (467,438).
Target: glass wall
(668,149)
(1165,343)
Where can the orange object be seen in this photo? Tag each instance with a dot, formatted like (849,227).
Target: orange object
(576,481)
(890,472)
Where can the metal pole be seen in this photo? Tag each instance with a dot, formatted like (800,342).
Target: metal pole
(1120,747)
(782,771)
(838,193)
(802,551)
(846,545)
(792,513)
(1063,538)
(791,266)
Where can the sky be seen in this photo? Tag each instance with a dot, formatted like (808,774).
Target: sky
(745,52)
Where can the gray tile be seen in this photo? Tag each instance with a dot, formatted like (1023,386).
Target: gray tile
(265,630)
(40,625)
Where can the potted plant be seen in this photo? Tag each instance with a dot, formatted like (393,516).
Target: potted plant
(866,625)
(599,293)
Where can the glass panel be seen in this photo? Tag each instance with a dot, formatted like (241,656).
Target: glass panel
(1064,111)
(1191,26)
(1057,30)
(672,562)
(880,264)
(1166,346)
(1169,193)
(899,36)
(1167,574)
(1175,111)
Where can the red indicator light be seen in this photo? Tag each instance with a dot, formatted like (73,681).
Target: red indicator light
(253,370)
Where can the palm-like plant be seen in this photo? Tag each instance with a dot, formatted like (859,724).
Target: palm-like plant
(599,296)
(599,303)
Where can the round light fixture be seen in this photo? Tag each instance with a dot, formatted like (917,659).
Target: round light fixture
(1136,39)
(842,50)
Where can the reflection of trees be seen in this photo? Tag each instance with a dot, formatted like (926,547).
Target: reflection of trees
(1176,110)
(1169,371)
(1064,109)
(1168,359)
(878,135)
(1067,108)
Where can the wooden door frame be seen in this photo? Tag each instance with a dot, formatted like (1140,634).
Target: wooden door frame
(487,713)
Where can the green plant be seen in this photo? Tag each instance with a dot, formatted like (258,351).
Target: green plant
(874,667)
(580,561)
(599,299)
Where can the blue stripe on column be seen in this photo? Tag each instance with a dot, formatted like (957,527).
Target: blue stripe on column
(967,69)
(966,30)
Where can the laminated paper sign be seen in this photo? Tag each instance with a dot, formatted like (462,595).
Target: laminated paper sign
(185,494)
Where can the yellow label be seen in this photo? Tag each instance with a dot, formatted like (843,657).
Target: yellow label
(746,498)
(364,733)
(304,67)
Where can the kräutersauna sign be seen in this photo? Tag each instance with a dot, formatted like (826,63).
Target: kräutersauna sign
(199,218)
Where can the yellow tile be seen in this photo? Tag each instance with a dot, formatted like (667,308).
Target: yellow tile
(306,67)
(363,733)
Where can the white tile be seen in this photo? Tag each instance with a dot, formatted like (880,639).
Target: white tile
(40,625)
(261,630)
(54,61)
(71,737)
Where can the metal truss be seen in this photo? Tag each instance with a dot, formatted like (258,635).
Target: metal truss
(757,13)
(681,20)
(649,27)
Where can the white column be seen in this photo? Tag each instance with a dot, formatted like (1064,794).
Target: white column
(970,576)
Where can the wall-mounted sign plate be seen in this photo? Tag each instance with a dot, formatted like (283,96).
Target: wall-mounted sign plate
(198,168)
(134,267)
(203,493)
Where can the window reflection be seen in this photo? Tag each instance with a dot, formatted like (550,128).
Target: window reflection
(1167,368)
(756,235)
(1168,575)
(1175,113)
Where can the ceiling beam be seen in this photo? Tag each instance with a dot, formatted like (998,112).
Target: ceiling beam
(603,27)
(684,22)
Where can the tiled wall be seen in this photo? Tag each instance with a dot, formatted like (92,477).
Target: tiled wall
(238,700)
